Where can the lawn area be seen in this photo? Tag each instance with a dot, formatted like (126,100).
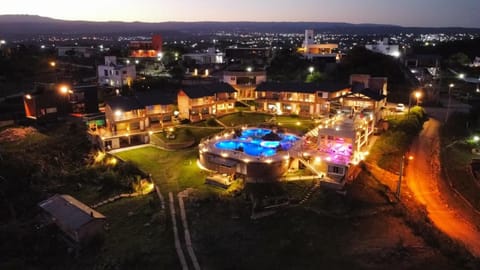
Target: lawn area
(244,118)
(138,236)
(295,124)
(171,170)
(458,159)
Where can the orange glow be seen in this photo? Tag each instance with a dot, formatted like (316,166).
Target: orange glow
(64,89)
(410,157)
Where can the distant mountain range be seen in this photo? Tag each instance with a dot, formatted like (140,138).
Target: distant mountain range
(31,25)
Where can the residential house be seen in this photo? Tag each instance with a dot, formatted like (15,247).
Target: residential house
(198,102)
(115,74)
(311,50)
(146,48)
(299,98)
(46,101)
(384,47)
(207,58)
(245,81)
(76,220)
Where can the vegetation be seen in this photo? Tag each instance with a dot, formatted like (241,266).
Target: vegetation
(393,144)
(244,118)
(362,61)
(456,151)
(35,165)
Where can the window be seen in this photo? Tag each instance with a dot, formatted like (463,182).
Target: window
(336,170)
(105,72)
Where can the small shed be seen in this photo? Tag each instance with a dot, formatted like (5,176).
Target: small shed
(77,220)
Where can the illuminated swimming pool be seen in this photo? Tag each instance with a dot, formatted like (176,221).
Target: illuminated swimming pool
(258,142)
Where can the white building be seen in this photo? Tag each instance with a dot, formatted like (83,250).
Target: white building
(245,81)
(114,74)
(209,57)
(384,47)
(312,50)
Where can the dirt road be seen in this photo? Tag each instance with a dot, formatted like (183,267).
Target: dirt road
(423,176)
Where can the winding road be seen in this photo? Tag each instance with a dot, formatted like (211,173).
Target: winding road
(424,179)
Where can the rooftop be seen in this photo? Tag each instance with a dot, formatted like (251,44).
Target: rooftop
(301,87)
(69,211)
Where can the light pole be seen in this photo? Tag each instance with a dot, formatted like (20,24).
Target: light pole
(400,176)
(450,86)
(417,95)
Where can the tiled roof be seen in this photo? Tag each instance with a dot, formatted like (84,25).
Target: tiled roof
(140,100)
(301,87)
(206,90)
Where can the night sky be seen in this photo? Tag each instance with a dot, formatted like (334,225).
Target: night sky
(423,13)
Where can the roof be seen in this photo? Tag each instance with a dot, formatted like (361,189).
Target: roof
(69,212)
(154,97)
(124,103)
(368,93)
(206,90)
(301,87)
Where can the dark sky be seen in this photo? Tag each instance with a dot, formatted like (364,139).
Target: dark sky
(429,13)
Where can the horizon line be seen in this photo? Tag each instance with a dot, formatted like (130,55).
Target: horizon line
(236,21)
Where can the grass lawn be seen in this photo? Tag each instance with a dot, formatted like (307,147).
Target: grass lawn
(171,170)
(295,124)
(138,236)
(244,118)
(458,159)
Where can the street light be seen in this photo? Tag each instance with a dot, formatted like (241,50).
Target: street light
(417,95)
(249,69)
(52,63)
(64,89)
(311,69)
(450,86)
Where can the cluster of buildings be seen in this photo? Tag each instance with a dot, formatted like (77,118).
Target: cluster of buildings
(348,112)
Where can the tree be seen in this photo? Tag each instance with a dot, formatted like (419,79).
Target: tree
(315,76)
(458,59)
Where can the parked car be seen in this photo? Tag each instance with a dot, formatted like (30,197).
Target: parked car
(400,107)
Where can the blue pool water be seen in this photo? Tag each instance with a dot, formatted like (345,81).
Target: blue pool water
(250,143)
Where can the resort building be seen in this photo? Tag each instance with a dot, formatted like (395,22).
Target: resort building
(146,48)
(131,119)
(115,74)
(245,81)
(198,102)
(311,50)
(368,95)
(298,98)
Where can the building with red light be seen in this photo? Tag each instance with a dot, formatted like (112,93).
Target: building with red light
(146,48)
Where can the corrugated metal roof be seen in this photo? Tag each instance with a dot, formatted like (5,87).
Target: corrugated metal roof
(69,211)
